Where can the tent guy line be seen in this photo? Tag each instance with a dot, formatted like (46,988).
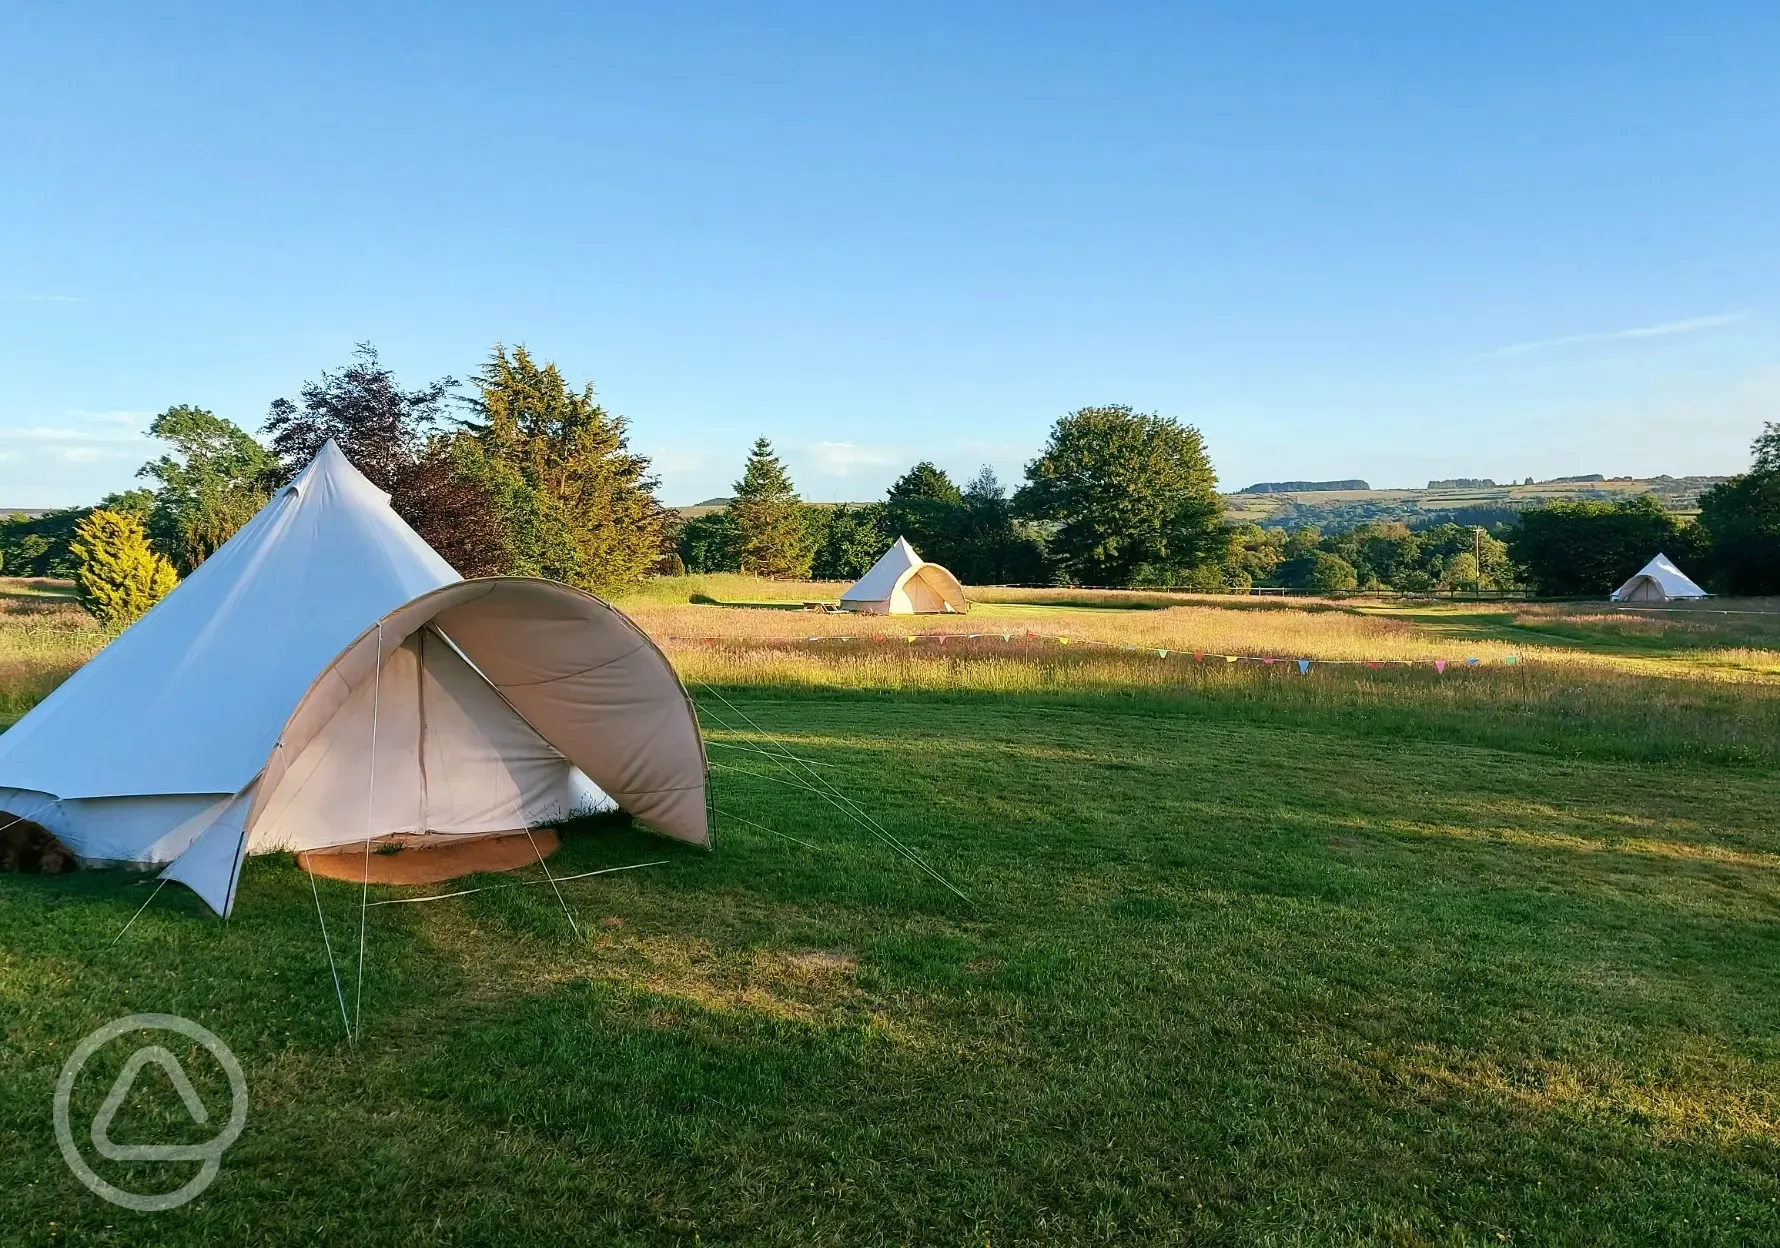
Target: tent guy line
(828,791)
(488,888)
(770,832)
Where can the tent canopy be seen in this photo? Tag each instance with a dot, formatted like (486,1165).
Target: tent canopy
(1658,581)
(326,678)
(902,583)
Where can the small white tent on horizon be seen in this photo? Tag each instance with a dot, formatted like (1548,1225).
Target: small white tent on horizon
(903,583)
(325,679)
(1658,581)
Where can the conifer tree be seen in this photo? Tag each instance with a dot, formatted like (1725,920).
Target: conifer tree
(577,504)
(771,532)
(118,575)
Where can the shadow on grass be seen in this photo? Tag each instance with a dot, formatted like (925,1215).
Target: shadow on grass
(1233,974)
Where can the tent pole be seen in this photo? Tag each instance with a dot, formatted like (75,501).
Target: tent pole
(358,1006)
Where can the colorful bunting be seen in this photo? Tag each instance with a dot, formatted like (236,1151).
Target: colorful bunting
(1303,667)
(1440,666)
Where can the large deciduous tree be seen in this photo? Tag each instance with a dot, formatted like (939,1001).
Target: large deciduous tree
(772,535)
(403,441)
(211,482)
(1743,517)
(1132,495)
(577,505)
(1590,547)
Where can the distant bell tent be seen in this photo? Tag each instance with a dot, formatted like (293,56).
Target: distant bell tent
(1658,581)
(325,679)
(902,583)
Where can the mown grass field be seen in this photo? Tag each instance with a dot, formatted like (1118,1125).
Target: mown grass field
(1369,955)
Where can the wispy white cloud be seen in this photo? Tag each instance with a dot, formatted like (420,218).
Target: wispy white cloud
(1691,325)
(60,445)
(840,459)
(678,458)
(87,454)
(45,299)
(56,433)
(114,418)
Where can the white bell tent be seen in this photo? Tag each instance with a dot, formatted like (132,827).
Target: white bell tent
(325,678)
(1658,581)
(902,583)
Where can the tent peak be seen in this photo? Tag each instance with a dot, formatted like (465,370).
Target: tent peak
(332,463)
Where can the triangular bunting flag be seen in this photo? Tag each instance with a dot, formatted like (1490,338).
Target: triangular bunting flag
(1471,662)
(1303,667)
(1440,666)
(1509,658)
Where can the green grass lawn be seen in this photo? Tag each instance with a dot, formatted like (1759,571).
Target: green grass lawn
(1237,968)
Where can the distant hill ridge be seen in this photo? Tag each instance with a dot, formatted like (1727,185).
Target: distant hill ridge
(1302,487)
(1461,500)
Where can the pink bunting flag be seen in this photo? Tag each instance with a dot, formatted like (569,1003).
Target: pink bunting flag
(1198,656)
(1268,662)
(1440,666)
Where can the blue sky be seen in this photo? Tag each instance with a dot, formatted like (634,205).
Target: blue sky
(1394,241)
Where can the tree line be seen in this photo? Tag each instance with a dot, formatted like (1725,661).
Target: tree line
(519,472)
(1116,497)
(1120,498)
